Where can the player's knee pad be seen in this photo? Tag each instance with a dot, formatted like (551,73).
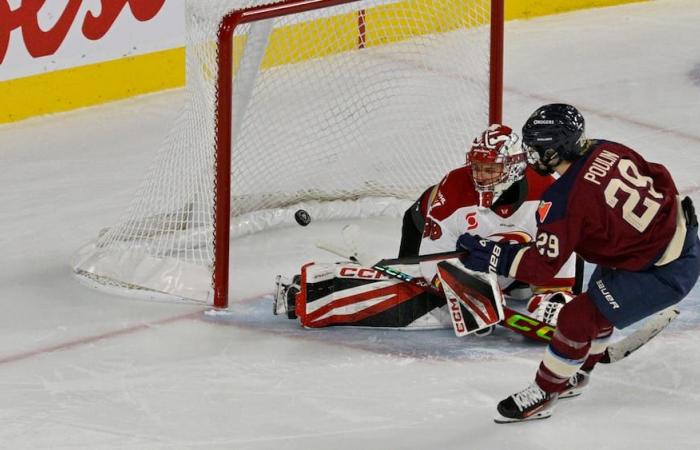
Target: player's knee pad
(579,319)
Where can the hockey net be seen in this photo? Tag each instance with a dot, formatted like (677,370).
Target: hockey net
(341,107)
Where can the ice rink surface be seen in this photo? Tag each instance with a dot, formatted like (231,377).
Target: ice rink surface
(81,369)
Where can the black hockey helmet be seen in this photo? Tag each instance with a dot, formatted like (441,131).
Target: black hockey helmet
(553,133)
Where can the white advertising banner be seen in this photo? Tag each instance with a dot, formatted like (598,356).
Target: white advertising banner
(39,36)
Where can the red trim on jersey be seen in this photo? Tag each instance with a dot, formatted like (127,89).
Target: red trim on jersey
(456,190)
(537,184)
(543,210)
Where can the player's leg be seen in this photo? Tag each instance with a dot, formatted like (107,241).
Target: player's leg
(579,325)
(579,342)
(627,297)
(614,297)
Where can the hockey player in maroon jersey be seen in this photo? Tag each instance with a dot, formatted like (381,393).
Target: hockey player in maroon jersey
(614,209)
(495,194)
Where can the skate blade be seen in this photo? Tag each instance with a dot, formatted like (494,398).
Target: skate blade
(539,415)
(569,394)
(279,304)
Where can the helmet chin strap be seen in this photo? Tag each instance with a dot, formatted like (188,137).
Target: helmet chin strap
(543,169)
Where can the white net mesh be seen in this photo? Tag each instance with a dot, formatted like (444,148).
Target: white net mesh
(336,110)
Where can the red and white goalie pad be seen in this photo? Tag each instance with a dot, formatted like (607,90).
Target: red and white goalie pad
(474,300)
(350,294)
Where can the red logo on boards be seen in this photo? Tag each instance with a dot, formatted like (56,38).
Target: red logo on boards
(543,210)
(40,41)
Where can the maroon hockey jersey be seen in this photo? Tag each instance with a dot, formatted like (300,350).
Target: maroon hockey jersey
(611,207)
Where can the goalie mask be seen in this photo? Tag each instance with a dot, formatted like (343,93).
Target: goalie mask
(497,161)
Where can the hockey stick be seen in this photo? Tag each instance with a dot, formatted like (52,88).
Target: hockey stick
(364,259)
(515,321)
(521,323)
(653,326)
(421,258)
(534,329)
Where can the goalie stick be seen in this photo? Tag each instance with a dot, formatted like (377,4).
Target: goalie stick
(513,320)
(650,328)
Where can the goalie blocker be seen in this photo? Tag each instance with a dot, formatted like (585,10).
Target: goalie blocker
(350,294)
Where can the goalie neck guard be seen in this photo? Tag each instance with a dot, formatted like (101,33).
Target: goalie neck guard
(497,161)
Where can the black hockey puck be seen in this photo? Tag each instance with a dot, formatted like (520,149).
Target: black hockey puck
(302,217)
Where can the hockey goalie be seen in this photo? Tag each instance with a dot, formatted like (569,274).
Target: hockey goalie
(494,195)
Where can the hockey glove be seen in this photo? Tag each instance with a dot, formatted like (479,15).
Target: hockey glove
(486,255)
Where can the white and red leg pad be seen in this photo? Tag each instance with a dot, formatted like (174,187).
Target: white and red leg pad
(353,295)
(475,302)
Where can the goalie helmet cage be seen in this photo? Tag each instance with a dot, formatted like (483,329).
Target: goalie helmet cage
(334,106)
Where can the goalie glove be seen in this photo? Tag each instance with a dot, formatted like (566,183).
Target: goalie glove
(546,307)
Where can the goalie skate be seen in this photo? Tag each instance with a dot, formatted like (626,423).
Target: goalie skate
(285,296)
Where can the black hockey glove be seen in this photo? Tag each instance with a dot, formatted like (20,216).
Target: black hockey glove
(486,255)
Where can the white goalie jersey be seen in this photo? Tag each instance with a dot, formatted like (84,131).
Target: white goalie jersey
(454,211)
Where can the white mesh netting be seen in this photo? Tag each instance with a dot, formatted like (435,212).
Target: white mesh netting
(338,110)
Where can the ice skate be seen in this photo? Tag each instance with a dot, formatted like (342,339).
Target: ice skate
(285,296)
(576,384)
(529,404)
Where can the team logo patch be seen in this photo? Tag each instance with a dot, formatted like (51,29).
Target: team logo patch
(513,237)
(543,210)
(472,221)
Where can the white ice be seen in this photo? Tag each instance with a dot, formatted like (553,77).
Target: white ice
(83,369)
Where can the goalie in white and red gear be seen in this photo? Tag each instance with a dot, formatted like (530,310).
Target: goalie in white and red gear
(495,195)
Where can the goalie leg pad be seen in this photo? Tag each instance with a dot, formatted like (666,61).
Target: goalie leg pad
(349,294)
(475,304)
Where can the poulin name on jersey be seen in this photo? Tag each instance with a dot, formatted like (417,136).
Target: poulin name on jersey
(600,166)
